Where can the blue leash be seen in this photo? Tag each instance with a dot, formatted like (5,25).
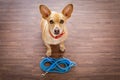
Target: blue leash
(55,65)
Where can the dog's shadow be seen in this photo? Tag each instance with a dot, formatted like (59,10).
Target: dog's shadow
(56,53)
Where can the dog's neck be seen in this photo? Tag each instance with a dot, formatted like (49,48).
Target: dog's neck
(58,36)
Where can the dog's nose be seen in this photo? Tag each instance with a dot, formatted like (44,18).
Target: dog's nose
(56,31)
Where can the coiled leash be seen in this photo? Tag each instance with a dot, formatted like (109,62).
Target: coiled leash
(55,65)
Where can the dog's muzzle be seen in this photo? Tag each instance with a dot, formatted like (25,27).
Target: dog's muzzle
(56,31)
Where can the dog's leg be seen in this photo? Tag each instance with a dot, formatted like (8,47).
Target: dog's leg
(48,53)
(62,47)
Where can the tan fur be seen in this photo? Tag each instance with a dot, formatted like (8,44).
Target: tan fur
(46,26)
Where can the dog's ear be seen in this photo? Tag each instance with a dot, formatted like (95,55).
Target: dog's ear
(67,11)
(45,11)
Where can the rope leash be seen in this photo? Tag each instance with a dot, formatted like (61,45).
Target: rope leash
(55,65)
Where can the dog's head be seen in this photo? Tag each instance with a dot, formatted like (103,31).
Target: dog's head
(56,21)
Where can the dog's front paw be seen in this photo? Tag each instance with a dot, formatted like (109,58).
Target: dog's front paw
(48,53)
(62,49)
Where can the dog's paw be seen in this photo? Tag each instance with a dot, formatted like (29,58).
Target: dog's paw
(48,53)
(62,49)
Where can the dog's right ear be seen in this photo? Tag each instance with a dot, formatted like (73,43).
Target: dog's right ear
(45,11)
(67,11)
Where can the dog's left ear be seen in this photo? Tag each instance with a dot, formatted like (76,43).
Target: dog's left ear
(67,11)
(45,11)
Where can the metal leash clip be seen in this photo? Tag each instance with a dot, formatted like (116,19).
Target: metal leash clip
(44,74)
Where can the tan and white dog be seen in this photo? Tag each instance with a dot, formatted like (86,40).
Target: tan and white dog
(53,26)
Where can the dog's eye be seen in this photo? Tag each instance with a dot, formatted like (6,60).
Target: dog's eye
(51,21)
(61,21)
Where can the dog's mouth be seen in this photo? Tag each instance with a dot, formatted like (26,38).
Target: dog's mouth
(56,34)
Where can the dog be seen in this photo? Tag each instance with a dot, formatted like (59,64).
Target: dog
(53,26)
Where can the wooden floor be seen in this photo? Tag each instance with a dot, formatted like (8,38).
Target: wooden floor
(93,42)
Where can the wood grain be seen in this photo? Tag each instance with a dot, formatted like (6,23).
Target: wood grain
(93,42)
